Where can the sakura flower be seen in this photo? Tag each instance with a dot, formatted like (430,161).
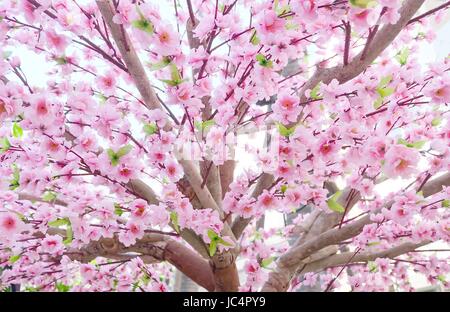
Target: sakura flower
(52,244)
(10,225)
(401,161)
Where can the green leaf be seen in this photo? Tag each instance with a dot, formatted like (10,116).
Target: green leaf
(436,121)
(69,235)
(224,242)
(14,259)
(150,128)
(417,144)
(267,261)
(378,103)
(49,196)
(373,244)
(385,92)
(16,177)
(333,204)
(17,131)
(62,287)
(372,266)
(59,222)
(204,125)
(124,150)
(114,157)
(445,203)
(314,94)
(174,219)
(284,131)
(174,72)
(263,61)
(144,25)
(212,235)
(212,248)
(384,82)
(161,64)
(283,188)
(118,209)
(364,4)
(402,56)
(4,145)
(254,38)
(441,278)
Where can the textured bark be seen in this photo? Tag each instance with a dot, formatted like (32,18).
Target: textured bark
(240,223)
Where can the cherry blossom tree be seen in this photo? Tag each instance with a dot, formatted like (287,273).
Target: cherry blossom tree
(119,163)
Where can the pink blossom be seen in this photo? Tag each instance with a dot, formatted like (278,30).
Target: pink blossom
(400,161)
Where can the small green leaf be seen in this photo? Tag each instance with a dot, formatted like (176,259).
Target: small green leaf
(204,125)
(445,203)
(114,157)
(150,128)
(283,188)
(144,25)
(4,145)
(441,278)
(59,222)
(417,144)
(378,103)
(254,38)
(385,92)
(263,61)
(372,266)
(161,64)
(118,209)
(49,196)
(284,131)
(174,219)
(267,261)
(212,235)
(124,150)
(333,204)
(384,82)
(436,121)
(314,94)
(402,56)
(69,235)
(62,287)
(16,178)
(224,242)
(17,131)
(373,244)
(212,248)
(14,259)
(364,4)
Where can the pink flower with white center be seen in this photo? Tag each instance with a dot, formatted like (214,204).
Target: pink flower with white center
(173,170)
(107,83)
(246,208)
(10,225)
(139,208)
(52,244)
(401,161)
